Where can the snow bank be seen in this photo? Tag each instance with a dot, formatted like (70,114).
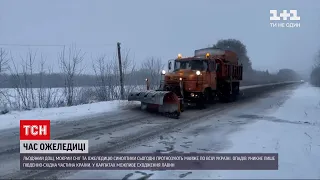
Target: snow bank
(303,106)
(13,99)
(12,119)
(298,147)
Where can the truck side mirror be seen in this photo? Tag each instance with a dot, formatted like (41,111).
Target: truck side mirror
(169,65)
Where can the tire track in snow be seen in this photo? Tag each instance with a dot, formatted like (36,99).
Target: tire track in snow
(11,166)
(138,138)
(109,126)
(147,135)
(10,137)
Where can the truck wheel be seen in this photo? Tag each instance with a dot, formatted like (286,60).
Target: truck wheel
(202,102)
(201,105)
(236,91)
(209,96)
(182,107)
(232,97)
(225,95)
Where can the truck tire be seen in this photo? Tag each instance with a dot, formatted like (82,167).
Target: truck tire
(225,95)
(204,100)
(236,90)
(236,87)
(182,107)
(210,96)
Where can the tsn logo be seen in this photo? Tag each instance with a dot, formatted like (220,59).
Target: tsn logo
(34,129)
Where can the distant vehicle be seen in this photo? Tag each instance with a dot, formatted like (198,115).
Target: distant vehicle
(209,75)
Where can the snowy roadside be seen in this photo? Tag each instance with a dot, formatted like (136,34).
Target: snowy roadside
(292,130)
(12,119)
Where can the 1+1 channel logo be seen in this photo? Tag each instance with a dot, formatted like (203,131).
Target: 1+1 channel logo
(279,21)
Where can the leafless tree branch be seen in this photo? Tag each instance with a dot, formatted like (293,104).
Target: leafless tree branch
(153,66)
(4,60)
(71,66)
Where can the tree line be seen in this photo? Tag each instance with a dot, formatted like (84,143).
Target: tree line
(250,75)
(108,68)
(315,73)
(34,90)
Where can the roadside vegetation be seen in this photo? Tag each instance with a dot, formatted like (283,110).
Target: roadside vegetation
(27,85)
(315,74)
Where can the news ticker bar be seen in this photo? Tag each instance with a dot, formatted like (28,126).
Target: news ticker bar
(150,161)
(54,146)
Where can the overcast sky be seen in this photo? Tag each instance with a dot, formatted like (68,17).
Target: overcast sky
(161,28)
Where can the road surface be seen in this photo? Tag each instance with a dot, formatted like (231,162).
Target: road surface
(122,131)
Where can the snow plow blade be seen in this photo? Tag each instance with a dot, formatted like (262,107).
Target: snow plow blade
(164,102)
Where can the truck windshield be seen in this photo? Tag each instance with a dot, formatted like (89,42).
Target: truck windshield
(200,65)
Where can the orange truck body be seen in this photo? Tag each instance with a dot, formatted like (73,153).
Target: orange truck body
(217,70)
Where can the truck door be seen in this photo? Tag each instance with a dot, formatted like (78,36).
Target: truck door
(213,75)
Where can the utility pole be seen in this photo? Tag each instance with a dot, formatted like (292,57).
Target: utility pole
(120,70)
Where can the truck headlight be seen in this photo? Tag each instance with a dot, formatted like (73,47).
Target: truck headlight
(163,72)
(198,73)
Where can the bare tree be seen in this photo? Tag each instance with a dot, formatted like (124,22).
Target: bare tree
(4,65)
(29,67)
(41,91)
(105,87)
(153,66)
(317,60)
(71,66)
(30,91)
(315,73)
(4,60)
(128,64)
(128,67)
(23,81)
(46,95)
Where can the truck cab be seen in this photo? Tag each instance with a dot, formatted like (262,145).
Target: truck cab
(210,74)
(203,77)
(197,74)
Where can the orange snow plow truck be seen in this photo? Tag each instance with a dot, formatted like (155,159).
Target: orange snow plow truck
(211,74)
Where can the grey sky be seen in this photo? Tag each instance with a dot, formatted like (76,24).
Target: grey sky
(162,28)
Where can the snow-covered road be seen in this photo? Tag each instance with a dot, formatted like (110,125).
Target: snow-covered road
(260,124)
(62,114)
(287,122)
